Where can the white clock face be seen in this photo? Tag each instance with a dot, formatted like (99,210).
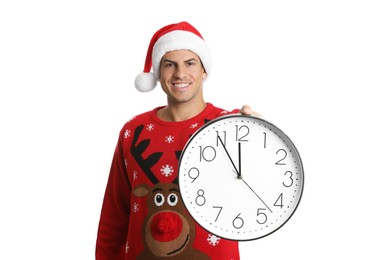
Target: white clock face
(240,177)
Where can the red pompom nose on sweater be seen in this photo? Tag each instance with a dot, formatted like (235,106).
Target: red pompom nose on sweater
(166,226)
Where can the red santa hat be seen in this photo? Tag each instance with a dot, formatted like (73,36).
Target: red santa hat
(179,36)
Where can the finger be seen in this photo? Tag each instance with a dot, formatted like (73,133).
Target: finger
(246,110)
(256,114)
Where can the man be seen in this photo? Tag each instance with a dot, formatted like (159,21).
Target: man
(143,216)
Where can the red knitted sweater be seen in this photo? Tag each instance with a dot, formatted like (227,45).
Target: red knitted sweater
(143,216)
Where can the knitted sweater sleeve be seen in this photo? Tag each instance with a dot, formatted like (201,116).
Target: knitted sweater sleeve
(113,225)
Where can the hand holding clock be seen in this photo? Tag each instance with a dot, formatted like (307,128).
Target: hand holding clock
(247,110)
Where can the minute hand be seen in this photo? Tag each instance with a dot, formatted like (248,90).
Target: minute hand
(236,170)
(257,195)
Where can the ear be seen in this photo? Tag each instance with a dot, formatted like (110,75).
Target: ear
(141,191)
(204,74)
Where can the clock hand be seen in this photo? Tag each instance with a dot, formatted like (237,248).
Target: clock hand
(236,171)
(256,195)
(240,161)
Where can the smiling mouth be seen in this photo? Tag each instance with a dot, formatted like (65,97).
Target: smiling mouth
(181,85)
(181,247)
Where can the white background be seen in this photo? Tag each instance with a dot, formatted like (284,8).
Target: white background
(66,88)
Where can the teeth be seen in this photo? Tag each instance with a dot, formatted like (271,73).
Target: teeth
(182,85)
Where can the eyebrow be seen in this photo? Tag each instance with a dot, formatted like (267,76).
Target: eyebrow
(191,59)
(157,189)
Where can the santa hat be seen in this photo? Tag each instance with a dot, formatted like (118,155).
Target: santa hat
(179,36)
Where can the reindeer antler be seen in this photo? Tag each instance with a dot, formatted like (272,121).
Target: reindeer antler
(137,151)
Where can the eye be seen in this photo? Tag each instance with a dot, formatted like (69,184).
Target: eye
(159,199)
(168,64)
(172,199)
(190,63)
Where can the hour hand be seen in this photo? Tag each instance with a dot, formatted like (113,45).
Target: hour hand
(239,173)
(240,161)
(228,155)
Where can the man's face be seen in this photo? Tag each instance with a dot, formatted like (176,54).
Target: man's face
(181,76)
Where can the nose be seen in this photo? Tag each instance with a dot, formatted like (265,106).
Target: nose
(166,226)
(179,72)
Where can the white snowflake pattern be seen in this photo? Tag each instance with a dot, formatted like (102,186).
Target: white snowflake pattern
(194,125)
(127,248)
(167,170)
(134,175)
(127,133)
(125,161)
(213,240)
(169,139)
(135,207)
(150,127)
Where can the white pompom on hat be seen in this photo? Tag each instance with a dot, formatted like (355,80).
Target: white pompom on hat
(179,36)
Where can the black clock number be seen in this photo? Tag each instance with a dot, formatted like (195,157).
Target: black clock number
(264,140)
(200,200)
(262,216)
(283,155)
(193,173)
(241,133)
(207,153)
(219,211)
(219,137)
(289,180)
(238,222)
(279,201)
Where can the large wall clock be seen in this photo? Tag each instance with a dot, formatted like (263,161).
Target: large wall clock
(240,177)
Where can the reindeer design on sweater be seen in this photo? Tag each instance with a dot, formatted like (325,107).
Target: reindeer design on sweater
(168,229)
